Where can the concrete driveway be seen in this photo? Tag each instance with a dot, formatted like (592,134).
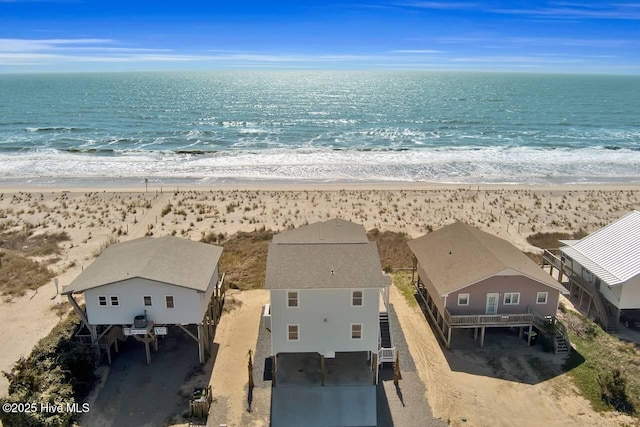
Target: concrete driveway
(137,394)
(315,406)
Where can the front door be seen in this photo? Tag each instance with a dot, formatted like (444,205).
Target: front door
(492,304)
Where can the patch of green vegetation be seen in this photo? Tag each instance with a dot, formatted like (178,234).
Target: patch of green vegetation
(402,281)
(59,371)
(605,369)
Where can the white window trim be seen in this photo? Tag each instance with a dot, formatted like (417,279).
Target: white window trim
(361,332)
(111,304)
(504,299)
(297,330)
(297,299)
(173,299)
(468,299)
(106,301)
(361,297)
(150,300)
(546,297)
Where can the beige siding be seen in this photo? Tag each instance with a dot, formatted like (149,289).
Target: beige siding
(527,288)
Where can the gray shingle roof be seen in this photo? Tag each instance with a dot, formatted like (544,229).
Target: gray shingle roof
(459,255)
(171,260)
(329,254)
(332,231)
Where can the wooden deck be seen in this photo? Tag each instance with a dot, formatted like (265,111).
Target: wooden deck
(497,320)
(607,319)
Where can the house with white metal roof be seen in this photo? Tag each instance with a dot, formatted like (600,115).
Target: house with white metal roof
(609,260)
(141,287)
(328,299)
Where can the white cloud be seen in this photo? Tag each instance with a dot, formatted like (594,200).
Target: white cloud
(35,45)
(440,5)
(417,51)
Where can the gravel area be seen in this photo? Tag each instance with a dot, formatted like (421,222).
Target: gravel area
(403,406)
(258,405)
(407,404)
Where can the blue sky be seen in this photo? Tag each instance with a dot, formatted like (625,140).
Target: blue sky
(484,35)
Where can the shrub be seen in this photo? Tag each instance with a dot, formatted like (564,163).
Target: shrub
(613,386)
(59,371)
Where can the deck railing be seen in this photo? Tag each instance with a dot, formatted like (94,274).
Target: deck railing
(552,259)
(386,355)
(487,319)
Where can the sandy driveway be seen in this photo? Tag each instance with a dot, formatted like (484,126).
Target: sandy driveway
(475,396)
(236,334)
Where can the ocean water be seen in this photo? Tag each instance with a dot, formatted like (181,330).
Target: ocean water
(222,127)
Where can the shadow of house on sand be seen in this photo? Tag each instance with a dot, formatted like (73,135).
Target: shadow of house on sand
(504,355)
(136,394)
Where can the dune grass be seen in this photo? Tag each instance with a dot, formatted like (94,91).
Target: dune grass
(18,271)
(393,249)
(244,259)
(402,281)
(594,362)
(552,240)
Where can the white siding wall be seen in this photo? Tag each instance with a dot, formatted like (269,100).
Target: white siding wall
(188,303)
(631,293)
(318,335)
(206,296)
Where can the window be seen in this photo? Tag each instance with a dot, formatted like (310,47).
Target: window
(292,299)
(293,332)
(169,300)
(512,298)
(102,301)
(463,299)
(542,297)
(147,300)
(356,298)
(114,300)
(356,331)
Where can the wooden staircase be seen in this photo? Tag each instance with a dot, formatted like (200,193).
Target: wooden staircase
(385,333)
(560,344)
(386,350)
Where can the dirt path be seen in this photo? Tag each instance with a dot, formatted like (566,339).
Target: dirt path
(237,333)
(476,398)
(27,319)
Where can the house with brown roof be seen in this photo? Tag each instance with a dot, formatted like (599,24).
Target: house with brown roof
(471,279)
(328,295)
(141,287)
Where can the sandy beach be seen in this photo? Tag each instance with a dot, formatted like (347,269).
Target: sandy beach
(93,218)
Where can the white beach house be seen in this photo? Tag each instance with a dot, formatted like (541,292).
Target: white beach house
(141,287)
(607,264)
(328,302)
